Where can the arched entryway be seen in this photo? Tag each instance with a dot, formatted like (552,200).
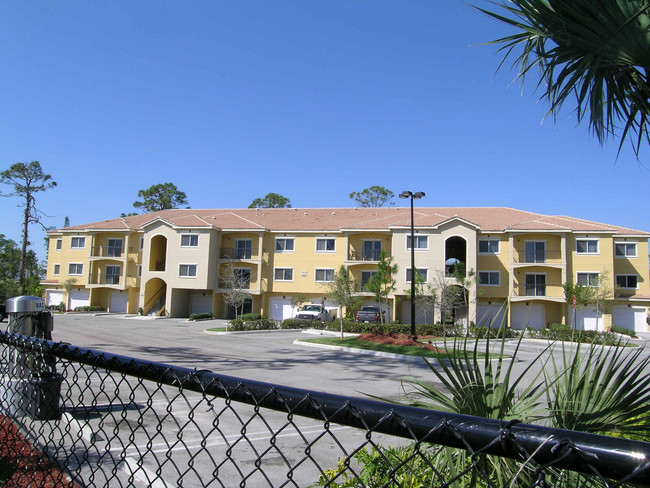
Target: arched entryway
(455,255)
(155,292)
(158,253)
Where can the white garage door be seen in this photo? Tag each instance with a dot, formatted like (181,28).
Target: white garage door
(586,319)
(54,298)
(493,316)
(632,318)
(280,309)
(423,315)
(201,303)
(523,315)
(79,298)
(118,302)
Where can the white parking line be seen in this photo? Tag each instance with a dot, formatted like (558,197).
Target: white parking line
(164,447)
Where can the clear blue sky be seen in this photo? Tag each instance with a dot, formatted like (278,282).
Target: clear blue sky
(312,99)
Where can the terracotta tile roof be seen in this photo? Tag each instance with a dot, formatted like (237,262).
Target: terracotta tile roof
(487,219)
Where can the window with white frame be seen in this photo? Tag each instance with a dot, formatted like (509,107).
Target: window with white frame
(625,249)
(283,274)
(243,248)
(535,285)
(77,242)
(187,270)
(284,244)
(58,245)
(423,272)
(489,278)
(366,276)
(242,277)
(112,275)
(421,242)
(488,246)
(75,269)
(57,269)
(325,244)
(324,275)
(627,281)
(587,246)
(588,279)
(189,240)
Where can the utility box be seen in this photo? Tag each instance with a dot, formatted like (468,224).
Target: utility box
(29,383)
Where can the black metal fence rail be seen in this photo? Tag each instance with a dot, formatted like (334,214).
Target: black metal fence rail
(110,420)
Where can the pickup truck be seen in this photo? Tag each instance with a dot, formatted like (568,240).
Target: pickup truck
(369,313)
(313,311)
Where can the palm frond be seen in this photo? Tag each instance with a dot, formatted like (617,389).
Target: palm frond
(596,52)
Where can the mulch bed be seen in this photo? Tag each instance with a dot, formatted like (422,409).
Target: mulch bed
(399,340)
(32,468)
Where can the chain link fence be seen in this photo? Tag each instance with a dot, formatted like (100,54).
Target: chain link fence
(76,417)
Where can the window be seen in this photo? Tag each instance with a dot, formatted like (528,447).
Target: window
(489,278)
(187,270)
(141,243)
(488,246)
(58,245)
(587,246)
(77,242)
(625,249)
(627,281)
(421,242)
(242,277)
(112,275)
(284,244)
(139,271)
(366,276)
(588,279)
(75,269)
(114,248)
(283,274)
(325,244)
(421,271)
(324,275)
(535,285)
(535,251)
(371,250)
(190,240)
(57,269)
(243,248)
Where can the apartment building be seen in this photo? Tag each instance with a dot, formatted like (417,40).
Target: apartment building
(183,261)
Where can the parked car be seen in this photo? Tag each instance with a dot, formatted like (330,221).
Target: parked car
(369,313)
(3,312)
(313,311)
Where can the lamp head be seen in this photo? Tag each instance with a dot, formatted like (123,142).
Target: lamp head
(405,194)
(418,194)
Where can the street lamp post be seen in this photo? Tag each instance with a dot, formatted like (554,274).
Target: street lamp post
(412,196)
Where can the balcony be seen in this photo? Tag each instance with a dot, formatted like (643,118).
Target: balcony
(366,255)
(104,279)
(108,252)
(537,257)
(238,254)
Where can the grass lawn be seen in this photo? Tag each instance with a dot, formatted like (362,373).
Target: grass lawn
(357,343)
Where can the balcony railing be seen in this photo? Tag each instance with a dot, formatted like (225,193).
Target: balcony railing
(234,253)
(103,279)
(366,255)
(537,257)
(108,251)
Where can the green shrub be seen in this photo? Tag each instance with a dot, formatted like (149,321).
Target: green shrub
(261,324)
(92,308)
(250,316)
(201,316)
(292,324)
(482,332)
(623,330)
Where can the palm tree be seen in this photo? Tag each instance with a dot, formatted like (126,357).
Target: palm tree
(597,51)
